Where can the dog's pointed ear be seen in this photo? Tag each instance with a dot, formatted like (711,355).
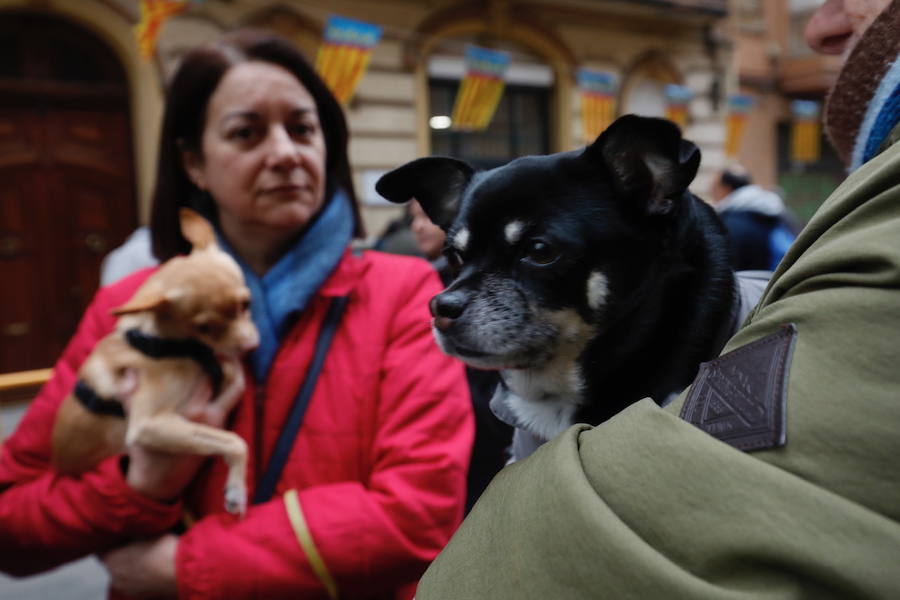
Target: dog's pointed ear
(196,229)
(151,300)
(648,159)
(140,303)
(436,182)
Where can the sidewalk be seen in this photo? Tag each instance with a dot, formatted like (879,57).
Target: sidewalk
(85,579)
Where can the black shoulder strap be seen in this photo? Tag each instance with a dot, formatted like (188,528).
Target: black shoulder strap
(272,474)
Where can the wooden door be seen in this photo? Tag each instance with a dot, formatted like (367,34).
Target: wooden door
(67,191)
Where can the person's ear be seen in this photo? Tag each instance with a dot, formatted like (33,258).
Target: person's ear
(651,164)
(192,162)
(436,182)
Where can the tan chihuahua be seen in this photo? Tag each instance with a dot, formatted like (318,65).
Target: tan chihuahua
(182,332)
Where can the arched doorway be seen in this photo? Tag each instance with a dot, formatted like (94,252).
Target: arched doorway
(68,193)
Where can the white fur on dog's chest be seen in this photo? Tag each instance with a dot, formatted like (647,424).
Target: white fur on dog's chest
(544,402)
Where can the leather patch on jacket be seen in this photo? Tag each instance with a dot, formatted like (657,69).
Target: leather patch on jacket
(740,397)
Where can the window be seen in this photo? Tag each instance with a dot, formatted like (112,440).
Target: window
(521,123)
(520,126)
(644,85)
(647,98)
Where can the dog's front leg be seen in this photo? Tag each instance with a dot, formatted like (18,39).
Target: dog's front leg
(233,378)
(172,433)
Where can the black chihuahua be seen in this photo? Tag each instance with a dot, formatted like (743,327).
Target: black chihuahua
(591,279)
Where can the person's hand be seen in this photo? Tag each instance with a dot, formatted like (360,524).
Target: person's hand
(162,475)
(144,569)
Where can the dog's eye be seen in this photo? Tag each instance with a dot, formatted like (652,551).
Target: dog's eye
(540,252)
(207,327)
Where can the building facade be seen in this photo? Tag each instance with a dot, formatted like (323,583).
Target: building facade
(90,111)
(774,66)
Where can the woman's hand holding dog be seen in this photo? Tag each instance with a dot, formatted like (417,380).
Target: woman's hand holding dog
(144,569)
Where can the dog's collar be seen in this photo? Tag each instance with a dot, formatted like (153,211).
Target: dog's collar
(158,347)
(96,404)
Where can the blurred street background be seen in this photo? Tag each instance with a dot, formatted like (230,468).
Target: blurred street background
(81,98)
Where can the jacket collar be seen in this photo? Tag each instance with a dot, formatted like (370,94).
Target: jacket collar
(752,198)
(892,138)
(344,278)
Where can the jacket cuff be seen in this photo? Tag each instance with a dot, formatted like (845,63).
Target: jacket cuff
(126,509)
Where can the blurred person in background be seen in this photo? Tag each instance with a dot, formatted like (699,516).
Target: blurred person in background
(356,497)
(760,226)
(775,475)
(134,254)
(429,240)
(397,238)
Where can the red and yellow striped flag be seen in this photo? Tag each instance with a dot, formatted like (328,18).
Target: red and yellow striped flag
(677,99)
(153,14)
(480,90)
(738,108)
(598,102)
(805,136)
(344,55)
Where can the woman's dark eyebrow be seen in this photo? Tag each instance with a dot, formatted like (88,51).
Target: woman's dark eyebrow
(238,114)
(253,115)
(302,111)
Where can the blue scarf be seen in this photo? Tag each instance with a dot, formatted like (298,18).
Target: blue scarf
(882,115)
(285,290)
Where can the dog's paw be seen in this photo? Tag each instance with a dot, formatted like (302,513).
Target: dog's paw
(236,500)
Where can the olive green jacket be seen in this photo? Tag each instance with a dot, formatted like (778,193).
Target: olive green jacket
(647,505)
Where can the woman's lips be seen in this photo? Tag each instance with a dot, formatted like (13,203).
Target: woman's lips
(287,188)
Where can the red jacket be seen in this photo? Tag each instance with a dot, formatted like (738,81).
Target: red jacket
(374,486)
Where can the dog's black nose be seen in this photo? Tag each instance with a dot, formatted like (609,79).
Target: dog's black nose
(448,305)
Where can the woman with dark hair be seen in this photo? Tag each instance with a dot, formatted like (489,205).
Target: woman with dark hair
(359,429)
